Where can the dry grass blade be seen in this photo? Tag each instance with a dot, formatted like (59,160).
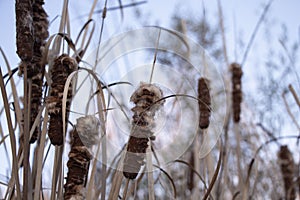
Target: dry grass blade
(149,167)
(290,112)
(221,23)
(193,170)
(216,173)
(292,90)
(3,139)
(15,171)
(170,178)
(83,47)
(261,19)
(40,155)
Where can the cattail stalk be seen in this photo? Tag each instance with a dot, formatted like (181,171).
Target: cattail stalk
(62,68)
(287,166)
(83,137)
(204,102)
(236,91)
(146,99)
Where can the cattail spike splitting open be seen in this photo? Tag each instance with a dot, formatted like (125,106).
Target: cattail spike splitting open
(62,68)
(237,95)
(147,102)
(83,137)
(204,102)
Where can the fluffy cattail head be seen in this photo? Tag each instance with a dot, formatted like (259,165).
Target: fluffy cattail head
(88,130)
(147,100)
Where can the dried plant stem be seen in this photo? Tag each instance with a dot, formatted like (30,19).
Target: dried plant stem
(221,24)
(15,171)
(261,19)
(290,112)
(124,197)
(239,155)
(149,165)
(292,90)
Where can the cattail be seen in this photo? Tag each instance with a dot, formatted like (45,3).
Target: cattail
(236,91)
(83,137)
(190,175)
(32,31)
(24,29)
(62,68)
(147,101)
(287,166)
(204,102)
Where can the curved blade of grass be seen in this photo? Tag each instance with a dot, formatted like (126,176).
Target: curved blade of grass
(149,166)
(260,20)
(215,176)
(83,47)
(15,171)
(194,170)
(170,179)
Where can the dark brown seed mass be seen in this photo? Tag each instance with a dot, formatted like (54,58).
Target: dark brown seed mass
(237,96)
(204,102)
(62,68)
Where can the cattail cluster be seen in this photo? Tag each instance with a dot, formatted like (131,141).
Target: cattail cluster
(62,68)
(236,91)
(147,100)
(83,137)
(32,32)
(204,102)
(287,166)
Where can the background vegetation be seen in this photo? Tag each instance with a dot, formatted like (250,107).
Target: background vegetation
(49,72)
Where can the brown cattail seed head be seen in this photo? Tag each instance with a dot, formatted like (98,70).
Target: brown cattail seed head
(32,31)
(204,102)
(147,101)
(236,91)
(80,156)
(287,166)
(24,29)
(62,68)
